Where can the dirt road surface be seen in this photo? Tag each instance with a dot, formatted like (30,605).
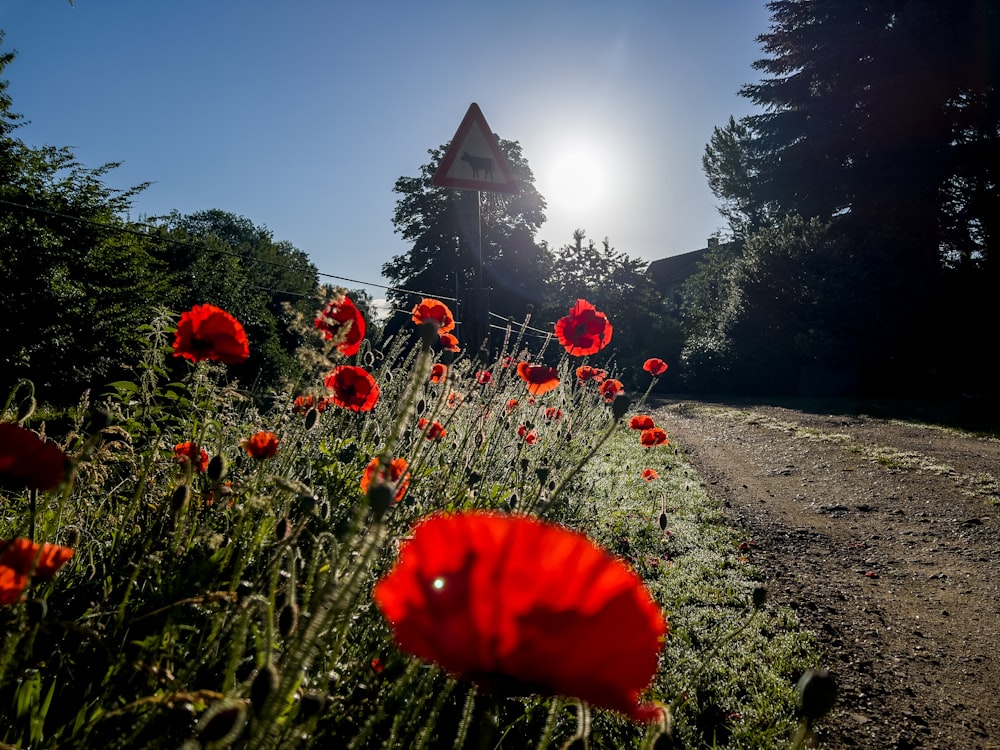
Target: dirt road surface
(884,536)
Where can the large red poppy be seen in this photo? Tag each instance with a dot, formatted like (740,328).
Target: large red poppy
(21,558)
(432,310)
(586,372)
(653,436)
(261,445)
(191,452)
(641,422)
(209,332)
(353,388)
(438,372)
(449,342)
(540,378)
(29,460)
(611,388)
(655,366)
(585,330)
(397,474)
(520,606)
(343,321)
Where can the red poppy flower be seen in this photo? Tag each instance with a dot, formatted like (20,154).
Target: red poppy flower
(21,558)
(655,366)
(432,310)
(483,377)
(521,606)
(190,452)
(302,404)
(261,445)
(528,435)
(449,342)
(512,404)
(540,378)
(397,474)
(611,388)
(455,399)
(343,321)
(434,429)
(353,388)
(641,422)
(438,372)
(553,414)
(653,436)
(650,474)
(209,332)
(584,330)
(29,460)
(586,372)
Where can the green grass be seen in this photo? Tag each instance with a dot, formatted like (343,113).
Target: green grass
(196,605)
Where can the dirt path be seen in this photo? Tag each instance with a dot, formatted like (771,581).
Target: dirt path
(885,538)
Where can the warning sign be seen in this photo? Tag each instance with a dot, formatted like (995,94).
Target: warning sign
(474,161)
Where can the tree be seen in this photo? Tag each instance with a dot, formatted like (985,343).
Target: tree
(444,226)
(76,280)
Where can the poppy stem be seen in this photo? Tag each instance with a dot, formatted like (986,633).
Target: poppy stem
(583,461)
(32,510)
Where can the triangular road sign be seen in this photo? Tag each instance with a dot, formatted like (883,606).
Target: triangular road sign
(474,160)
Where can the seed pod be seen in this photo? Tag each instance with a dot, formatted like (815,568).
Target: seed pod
(620,406)
(311,417)
(759,597)
(217,468)
(817,694)
(283,529)
(288,619)
(311,704)
(179,500)
(264,684)
(223,722)
(36,610)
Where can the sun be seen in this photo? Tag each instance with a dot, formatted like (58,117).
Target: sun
(576,177)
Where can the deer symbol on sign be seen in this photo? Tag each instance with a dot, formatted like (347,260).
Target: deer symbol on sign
(478,164)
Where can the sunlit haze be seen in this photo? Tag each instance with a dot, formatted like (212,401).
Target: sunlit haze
(301,116)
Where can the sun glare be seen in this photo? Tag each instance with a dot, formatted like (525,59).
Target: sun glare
(577,177)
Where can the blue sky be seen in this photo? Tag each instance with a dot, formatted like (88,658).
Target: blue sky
(301,115)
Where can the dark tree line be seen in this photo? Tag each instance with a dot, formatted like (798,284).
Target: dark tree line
(879,128)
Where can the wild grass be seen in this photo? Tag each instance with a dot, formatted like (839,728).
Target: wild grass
(232,608)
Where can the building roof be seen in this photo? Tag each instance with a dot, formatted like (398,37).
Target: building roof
(668,272)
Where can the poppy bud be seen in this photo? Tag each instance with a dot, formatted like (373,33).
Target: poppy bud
(817,694)
(381,495)
(283,529)
(663,521)
(25,409)
(620,406)
(542,472)
(223,722)
(36,610)
(324,510)
(311,704)
(759,597)
(217,468)
(72,538)
(288,619)
(311,416)
(179,499)
(512,501)
(421,406)
(428,333)
(262,686)
(474,477)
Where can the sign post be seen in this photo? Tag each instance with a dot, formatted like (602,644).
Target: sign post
(474,161)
